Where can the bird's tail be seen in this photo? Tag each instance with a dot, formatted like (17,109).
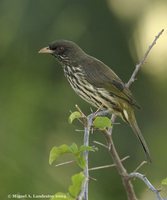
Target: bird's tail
(133,123)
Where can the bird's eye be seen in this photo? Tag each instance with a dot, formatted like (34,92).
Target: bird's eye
(60,50)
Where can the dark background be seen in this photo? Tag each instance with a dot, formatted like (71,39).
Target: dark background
(35,98)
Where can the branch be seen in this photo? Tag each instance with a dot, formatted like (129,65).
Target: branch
(65,163)
(147,182)
(107,166)
(101,144)
(84,190)
(108,133)
(138,66)
(141,165)
(120,168)
(111,147)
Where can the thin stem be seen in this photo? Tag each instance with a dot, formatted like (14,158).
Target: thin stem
(86,154)
(120,168)
(101,167)
(84,191)
(138,66)
(141,165)
(113,119)
(101,144)
(107,166)
(65,163)
(147,182)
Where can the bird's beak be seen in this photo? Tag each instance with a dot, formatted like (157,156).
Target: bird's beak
(45,50)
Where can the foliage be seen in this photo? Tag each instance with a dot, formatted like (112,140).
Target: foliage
(102,122)
(77,179)
(164,182)
(73,190)
(73,149)
(78,153)
(73,116)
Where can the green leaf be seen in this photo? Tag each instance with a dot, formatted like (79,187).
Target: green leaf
(164,181)
(56,152)
(74,115)
(87,148)
(81,161)
(61,196)
(74,148)
(102,122)
(77,181)
(80,158)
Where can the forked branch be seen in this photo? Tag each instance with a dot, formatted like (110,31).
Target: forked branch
(126,178)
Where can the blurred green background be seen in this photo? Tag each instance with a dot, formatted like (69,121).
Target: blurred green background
(35,98)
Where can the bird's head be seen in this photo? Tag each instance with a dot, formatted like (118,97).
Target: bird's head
(63,50)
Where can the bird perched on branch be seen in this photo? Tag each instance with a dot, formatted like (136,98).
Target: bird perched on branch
(96,83)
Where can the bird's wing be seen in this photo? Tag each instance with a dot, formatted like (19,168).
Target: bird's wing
(101,76)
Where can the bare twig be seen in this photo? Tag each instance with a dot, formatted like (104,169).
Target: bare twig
(79,130)
(141,165)
(93,179)
(107,166)
(138,66)
(101,167)
(147,182)
(78,108)
(65,163)
(101,144)
(113,119)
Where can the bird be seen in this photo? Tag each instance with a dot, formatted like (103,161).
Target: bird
(97,84)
